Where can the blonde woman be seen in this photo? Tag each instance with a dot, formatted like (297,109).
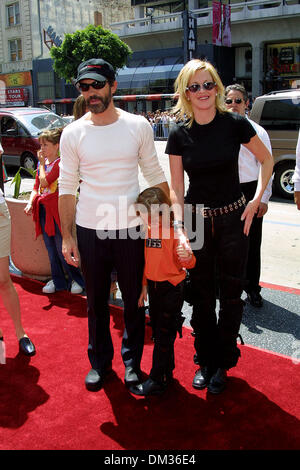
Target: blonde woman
(205,142)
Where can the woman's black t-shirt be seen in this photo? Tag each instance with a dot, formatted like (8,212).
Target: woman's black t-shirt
(210,157)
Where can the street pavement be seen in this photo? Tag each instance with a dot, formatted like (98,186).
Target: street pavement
(275,326)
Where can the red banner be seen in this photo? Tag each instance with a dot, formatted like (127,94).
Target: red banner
(217,23)
(226,36)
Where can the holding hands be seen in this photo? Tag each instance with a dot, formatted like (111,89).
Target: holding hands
(183,250)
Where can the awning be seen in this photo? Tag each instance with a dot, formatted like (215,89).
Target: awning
(143,77)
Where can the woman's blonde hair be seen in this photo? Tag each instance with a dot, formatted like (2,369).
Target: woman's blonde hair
(183,107)
(79,108)
(51,135)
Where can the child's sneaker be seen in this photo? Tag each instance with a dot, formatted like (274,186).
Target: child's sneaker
(49,288)
(2,352)
(76,288)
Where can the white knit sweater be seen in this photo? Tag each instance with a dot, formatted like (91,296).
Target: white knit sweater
(105,159)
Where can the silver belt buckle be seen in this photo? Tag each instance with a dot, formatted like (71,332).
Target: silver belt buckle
(204,212)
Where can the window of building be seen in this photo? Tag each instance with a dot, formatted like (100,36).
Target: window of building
(45,84)
(15,49)
(13,14)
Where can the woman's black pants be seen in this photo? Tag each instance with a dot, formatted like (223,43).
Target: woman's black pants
(220,266)
(165,304)
(99,255)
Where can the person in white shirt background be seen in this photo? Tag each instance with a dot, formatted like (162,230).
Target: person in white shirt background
(296,177)
(8,292)
(103,150)
(236,99)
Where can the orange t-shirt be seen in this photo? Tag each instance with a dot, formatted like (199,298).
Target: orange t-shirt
(161,260)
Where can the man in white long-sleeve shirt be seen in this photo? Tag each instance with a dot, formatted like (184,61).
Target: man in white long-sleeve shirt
(103,151)
(236,99)
(296,177)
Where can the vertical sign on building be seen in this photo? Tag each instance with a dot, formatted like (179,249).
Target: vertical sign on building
(189,36)
(226,36)
(217,24)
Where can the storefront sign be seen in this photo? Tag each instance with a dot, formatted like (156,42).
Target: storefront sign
(51,38)
(283,59)
(16,96)
(16,79)
(189,35)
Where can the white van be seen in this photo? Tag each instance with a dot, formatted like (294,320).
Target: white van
(278,113)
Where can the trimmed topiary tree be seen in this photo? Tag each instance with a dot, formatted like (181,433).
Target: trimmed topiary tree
(91,42)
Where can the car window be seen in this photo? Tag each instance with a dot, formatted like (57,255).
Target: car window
(35,123)
(8,125)
(281,115)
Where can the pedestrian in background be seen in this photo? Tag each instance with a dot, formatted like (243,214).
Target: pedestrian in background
(79,108)
(296,177)
(236,100)
(43,205)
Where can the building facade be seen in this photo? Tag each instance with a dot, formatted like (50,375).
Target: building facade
(264,54)
(28,28)
(265,42)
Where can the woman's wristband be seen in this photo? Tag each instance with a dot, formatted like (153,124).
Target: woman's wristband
(178,224)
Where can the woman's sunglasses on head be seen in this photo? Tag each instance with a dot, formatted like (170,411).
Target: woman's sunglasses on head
(196,87)
(230,101)
(86,86)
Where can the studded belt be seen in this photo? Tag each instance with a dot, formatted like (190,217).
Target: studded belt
(210,212)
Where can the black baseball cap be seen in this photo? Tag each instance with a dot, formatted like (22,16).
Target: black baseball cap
(96,69)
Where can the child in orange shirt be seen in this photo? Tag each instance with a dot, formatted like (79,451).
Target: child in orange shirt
(164,273)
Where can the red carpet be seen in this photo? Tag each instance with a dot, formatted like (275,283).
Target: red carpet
(44,403)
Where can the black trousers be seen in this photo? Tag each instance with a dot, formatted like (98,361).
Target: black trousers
(224,253)
(98,257)
(255,238)
(165,304)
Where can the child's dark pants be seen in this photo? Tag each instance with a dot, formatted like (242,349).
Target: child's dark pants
(165,302)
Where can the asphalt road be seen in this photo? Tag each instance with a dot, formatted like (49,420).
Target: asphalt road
(276,326)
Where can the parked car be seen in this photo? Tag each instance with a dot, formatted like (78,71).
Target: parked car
(68,119)
(19,131)
(278,112)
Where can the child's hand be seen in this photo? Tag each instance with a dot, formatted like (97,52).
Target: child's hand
(143,296)
(28,208)
(184,251)
(41,157)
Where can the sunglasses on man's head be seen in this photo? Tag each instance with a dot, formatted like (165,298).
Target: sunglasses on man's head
(86,86)
(237,101)
(196,87)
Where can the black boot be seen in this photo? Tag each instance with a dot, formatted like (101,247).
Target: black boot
(255,299)
(202,377)
(150,387)
(218,381)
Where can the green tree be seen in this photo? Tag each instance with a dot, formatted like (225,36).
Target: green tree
(91,42)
